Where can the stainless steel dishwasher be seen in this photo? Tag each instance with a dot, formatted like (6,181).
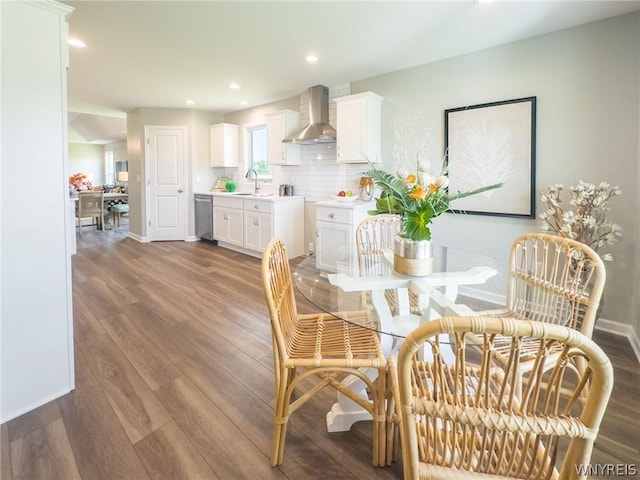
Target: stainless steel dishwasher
(204,217)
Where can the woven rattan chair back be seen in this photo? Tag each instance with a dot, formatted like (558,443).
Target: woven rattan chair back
(555,280)
(313,351)
(464,420)
(373,236)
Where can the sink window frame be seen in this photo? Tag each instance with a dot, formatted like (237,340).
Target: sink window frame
(256,149)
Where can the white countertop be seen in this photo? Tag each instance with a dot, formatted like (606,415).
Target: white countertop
(347,204)
(250,196)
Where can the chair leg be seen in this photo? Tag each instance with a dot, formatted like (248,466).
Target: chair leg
(281,418)
(379,421)
(394,419)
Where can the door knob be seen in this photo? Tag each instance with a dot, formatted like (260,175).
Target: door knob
(179,190)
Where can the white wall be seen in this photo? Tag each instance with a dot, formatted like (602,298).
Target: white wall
(35,287)
(587,83)
(89,159)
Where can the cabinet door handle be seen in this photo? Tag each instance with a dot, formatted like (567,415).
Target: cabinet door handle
(317,234)
(226,217)
(256,206)
(332,215)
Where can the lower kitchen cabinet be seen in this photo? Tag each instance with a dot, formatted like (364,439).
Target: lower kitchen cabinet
(336,224)
(249,224)
(258,224)
(228,225)
(258,229)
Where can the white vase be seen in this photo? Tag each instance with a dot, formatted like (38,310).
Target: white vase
(412,257)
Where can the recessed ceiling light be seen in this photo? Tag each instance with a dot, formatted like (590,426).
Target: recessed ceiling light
(244,102)
(234,86)
(311,58)
(188,101)
(76,42)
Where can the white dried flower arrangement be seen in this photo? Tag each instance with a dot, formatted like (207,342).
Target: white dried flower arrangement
(587,220)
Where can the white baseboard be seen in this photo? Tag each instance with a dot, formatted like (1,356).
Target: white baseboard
(622,329)
(137,238)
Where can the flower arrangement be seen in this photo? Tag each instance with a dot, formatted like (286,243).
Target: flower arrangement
(79,181)
(418,198)
(587,220)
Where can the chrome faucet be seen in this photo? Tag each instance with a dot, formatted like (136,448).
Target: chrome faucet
(255,174)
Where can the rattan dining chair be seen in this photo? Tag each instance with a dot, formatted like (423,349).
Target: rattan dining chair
(320,347)
(464,420)
(553,280)
(374,235)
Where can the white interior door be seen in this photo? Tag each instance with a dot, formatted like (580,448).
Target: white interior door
(166,194)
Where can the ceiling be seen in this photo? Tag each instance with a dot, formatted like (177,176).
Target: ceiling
(161,53)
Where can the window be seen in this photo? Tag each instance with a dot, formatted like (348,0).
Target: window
(257,151)
(109,168)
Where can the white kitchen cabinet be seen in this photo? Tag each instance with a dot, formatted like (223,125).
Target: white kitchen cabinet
(228,221)
(358,128)
(247,225)
(258,224)
(258,229)
(223,145)
(336,224)
(281,125)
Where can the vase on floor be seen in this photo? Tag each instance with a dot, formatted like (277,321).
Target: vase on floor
(412,257)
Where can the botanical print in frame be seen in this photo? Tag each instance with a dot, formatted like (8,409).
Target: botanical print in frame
(492,143)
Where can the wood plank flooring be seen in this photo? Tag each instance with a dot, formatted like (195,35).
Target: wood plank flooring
(174,380)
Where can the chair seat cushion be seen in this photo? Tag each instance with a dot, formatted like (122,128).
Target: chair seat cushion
(120,208)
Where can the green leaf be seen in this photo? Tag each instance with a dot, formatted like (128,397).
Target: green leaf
(416,225)
(474,192)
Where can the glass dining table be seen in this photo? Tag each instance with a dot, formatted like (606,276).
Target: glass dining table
(462,283)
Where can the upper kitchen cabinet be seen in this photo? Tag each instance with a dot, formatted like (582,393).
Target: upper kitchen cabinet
(281,125)
(223,144)
(358,128)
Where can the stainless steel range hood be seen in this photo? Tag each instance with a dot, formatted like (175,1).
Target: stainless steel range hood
(319,130)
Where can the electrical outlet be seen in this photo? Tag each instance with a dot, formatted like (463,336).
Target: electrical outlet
(310,246)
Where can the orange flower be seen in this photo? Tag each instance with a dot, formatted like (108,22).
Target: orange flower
(418,193)
(432,187)
(410,179)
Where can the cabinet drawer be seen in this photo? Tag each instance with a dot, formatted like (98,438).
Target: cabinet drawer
(228,202)
(258,206)
(333,214)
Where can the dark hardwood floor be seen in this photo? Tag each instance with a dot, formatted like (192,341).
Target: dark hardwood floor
(174,380)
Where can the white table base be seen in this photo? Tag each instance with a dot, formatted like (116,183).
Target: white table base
(345,412)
